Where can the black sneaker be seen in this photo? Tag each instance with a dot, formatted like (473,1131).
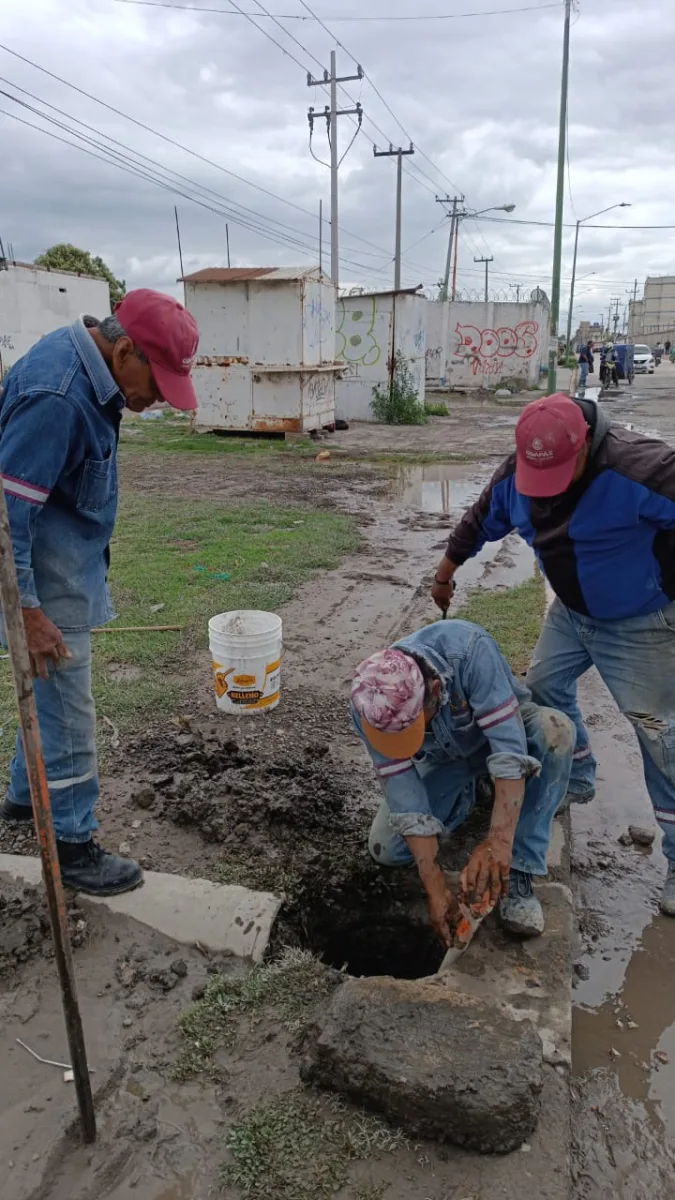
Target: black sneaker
(89,868)
(9,811)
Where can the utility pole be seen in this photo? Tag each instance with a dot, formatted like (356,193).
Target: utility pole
(320,238)
(615,300)
(398,155)
(487,262)
(331,113)
(632,323)
(517,286)
(452,240)
(559,204)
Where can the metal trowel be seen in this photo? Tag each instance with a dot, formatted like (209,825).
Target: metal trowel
(465,926)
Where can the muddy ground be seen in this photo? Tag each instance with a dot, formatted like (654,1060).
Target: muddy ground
(287,802)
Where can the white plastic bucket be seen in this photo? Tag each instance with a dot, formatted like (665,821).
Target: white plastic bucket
(246,652)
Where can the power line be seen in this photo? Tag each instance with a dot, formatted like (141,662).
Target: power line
(179,145)
(567,224)
(149,174)
(491,12)
(378,93)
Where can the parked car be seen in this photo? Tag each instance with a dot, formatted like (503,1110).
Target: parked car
(644,362)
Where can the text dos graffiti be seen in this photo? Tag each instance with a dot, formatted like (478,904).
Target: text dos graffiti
(485,349)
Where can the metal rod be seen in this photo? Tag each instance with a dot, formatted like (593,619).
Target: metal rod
(180,251)
(42,816)
(140,629)
(320,238)
(227,240)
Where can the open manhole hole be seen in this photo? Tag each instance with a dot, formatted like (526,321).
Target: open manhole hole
(370,925)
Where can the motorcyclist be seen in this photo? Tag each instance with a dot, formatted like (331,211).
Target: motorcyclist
(608,365)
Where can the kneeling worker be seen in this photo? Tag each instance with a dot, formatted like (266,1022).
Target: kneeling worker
(437,711)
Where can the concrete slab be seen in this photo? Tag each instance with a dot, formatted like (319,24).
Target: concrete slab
(223,918)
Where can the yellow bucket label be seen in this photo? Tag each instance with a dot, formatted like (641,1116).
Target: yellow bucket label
(241,689)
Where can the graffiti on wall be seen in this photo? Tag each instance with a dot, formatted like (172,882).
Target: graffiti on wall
(355,340)
(6,342)
(316,322)
(486,351)
(318,388)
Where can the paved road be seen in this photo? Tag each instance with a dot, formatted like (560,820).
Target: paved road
(624,1021)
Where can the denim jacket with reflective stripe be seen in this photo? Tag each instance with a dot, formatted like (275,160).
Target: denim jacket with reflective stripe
(479,711)
(60,412)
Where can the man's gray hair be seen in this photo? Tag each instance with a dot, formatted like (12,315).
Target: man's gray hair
(112,330)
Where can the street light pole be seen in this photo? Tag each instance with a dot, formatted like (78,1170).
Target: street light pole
(559,202)
(582,221)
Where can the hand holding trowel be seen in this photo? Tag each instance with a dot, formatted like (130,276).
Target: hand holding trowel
(481,883)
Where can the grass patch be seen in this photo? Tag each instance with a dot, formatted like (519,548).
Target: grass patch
(285,990)
(298,1147)
(173,434)
(268,552)
(436,409)
(513,616)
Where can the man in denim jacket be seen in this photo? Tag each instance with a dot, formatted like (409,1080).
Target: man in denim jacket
(436,712)
(60,412)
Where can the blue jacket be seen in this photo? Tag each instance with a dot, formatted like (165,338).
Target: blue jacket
(60,411)
(479,711)
(607,545)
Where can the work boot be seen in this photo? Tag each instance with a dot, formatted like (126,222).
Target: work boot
(575,798)
(520,912)
(89,868)
(667,902)
(9,811)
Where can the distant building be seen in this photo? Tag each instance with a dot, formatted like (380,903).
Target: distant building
(35,301)
(652,319)
(588,332)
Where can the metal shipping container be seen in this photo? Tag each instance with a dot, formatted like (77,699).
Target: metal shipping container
(266,357)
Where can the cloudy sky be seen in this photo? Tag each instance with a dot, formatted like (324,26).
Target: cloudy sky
(478,95)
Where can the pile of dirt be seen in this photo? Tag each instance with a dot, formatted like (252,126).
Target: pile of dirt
(25,931)
(268,801)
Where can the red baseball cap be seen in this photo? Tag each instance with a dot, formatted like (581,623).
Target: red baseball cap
(549,435)
(168,335)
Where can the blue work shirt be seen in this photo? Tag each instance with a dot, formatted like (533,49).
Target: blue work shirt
(479,710)
(60,411)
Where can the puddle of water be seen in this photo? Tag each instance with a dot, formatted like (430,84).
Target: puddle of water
(437,488)
(624,1015)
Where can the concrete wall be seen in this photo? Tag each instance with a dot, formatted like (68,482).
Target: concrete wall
(370,330)
(482,345)
(34,302)
(266,354)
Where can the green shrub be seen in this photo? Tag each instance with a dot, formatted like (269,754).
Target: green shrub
(398,404)
(436,409)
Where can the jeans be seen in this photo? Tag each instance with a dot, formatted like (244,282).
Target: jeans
(636,659)
(583,374)
(67,720)
(451,792)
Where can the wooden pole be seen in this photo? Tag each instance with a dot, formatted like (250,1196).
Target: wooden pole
(42,815)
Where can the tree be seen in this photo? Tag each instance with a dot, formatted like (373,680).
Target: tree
(65,257)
